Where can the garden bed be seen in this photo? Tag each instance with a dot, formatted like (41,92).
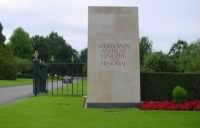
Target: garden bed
(193,105)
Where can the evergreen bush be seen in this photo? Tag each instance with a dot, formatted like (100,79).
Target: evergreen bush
(179,94)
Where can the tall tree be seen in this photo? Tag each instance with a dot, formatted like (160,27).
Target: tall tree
(54,45)
(189,59)
(83,55)
(145,48)
(41,45)
(2,37)
(83,59)
(7,64)
(61,51)
(177,48)
(20,44)
(175,51)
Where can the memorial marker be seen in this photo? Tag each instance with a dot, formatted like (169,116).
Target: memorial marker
(113,57)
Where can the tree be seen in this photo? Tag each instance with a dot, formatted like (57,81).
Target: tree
(41,45)
(54,45)
(158,62)
(177,48)
(189,59)
(75,55)
(7,64)
(2,37)
(20,44)
(83,59)
(175,52)
(145,48)
(61,51)
(83,55)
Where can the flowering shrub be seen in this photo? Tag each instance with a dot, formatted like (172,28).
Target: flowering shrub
(167,105)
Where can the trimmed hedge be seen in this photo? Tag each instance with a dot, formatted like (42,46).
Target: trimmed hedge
(23,66)
(7,64)
(25,76)
(159,86)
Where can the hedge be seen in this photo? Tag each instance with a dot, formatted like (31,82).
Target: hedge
(7,64)
(25,76)
(159,86)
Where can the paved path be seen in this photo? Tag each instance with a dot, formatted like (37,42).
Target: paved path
(9,94)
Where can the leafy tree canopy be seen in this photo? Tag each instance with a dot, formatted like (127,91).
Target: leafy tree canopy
(177,48)
(159,62)
(7,64)
(54,45)
(83,55)
(2,37)
(20,43)
(145,48)
(189,59)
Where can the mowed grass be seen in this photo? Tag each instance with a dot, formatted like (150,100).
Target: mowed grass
(68,112)
(16,82)
(79,88)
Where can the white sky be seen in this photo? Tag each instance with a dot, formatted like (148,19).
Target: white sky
(163,21)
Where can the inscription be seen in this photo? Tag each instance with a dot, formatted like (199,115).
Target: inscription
(113,53)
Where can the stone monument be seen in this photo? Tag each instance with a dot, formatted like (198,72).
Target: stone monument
(113,57)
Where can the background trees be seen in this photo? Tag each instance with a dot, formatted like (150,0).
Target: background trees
(21,47)
(83,59)
(20,44)
(185,56)
(83,55)
(189,59)
(182,57)
(40,44)
(2,37)
(16,56)
(54,45)
(145,48)
(158,62)
(7,63)
(177,48)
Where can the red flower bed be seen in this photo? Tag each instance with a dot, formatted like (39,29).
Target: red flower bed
(167,105)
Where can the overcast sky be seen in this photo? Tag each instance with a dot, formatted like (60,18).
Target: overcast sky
(163,21)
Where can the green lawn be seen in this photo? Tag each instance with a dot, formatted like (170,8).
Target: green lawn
(16,82)
(79,87)
(67,112)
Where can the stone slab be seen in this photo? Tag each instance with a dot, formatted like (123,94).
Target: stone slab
(113,55)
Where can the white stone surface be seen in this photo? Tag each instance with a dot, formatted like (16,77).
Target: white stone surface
(113,55)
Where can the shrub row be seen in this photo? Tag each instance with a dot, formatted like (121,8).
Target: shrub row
(159,86)
(25,76)
(7,64)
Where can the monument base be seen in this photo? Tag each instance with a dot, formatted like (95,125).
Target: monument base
(112,105)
